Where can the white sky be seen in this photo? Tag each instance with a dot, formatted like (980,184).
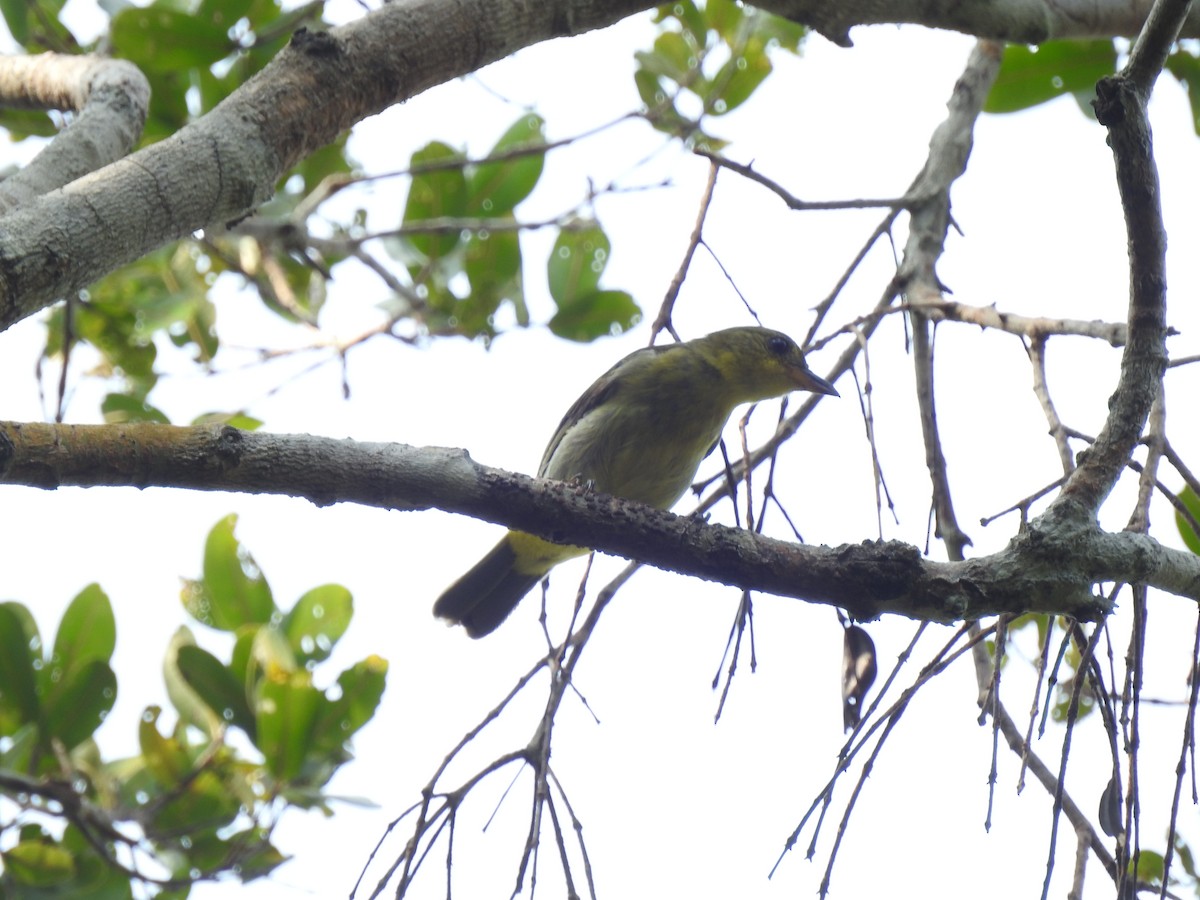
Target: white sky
(671,805)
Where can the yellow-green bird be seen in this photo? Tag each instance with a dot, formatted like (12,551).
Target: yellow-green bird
(640,432)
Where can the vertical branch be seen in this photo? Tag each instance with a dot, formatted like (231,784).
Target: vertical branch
(929,223)
(1120,104)
(947,527)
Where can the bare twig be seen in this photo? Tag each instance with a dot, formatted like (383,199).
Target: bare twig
(793,202)
(1037,356)
(663,319)
(1059,794)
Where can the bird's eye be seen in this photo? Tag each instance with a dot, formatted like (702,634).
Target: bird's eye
(779,345)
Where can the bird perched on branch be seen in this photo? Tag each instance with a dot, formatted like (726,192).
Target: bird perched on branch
(640,432)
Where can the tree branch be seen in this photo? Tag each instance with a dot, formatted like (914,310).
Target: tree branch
(1121,107)
(1017,21)
(111,99)
(949,150)
(1048,570)
(226,163)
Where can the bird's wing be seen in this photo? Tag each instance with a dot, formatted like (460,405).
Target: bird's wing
(603,390)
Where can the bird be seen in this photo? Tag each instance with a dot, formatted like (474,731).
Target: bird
(639,432)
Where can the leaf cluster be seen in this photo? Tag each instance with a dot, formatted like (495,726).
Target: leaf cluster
(460,242)
(194,803)
(707,61)
(1030,76)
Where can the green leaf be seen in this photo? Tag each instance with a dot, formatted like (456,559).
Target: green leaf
(242,662)
(1186,67)
(192,708)
(673,57)
(237,420)
(595,315)
(1029,76)
(28,624)
(317,621)
(1149,866)
(159,38)
(168,105)
(361,690)
(22,746)
(233,591)
(692,19)
(435,194)
(287,709)
(95,878)
(35,24)
(492,263)
(74,711)
(257,856)
(738,79)
(125,315)
(577,262)
(778,31)
(41,863)
(18,680)
(272,653)
(494,189)
(217,686)
(205,803)
(650,88)
(88,632)
(726,18)
(164,756)
(23,123)
(1192,503)
(225,12)
(16,16)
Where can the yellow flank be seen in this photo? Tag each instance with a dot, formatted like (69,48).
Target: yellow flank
(639,432)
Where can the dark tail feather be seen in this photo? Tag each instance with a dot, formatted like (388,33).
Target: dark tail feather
(484,597)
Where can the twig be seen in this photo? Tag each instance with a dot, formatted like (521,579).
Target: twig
(1189,744)
(663,319)
(790,200)
(1072,713)
(1037,356)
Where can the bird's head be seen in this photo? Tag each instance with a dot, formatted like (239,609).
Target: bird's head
(758,363)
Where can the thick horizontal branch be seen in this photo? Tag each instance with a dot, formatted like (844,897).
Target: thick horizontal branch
(1053,567)
(1016,21)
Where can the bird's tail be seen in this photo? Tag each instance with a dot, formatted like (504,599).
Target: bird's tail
(483,598)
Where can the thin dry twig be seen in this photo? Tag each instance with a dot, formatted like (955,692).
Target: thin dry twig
(1037,356)
(1189,745)
(1060,781)
(663,319)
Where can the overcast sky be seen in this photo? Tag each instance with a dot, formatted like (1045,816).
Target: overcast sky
(671,805)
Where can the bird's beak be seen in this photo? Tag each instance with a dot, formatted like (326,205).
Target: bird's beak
(807,380)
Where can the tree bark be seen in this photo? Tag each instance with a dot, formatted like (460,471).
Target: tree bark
(1052,567)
